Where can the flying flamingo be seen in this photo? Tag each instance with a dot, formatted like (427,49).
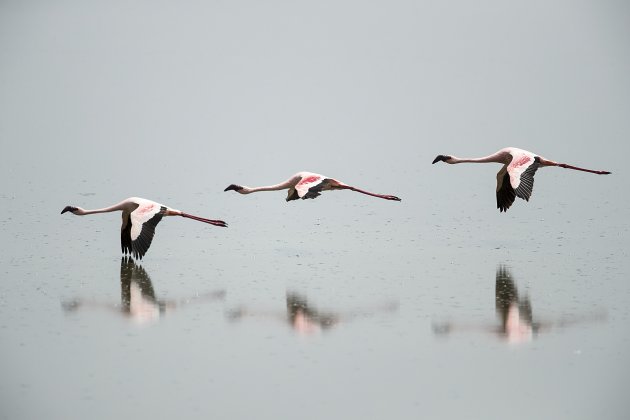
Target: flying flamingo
(307,185)
(516,178)
(139,219)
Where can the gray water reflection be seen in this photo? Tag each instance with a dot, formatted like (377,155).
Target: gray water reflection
(517,323)
(305,318)
(138,301)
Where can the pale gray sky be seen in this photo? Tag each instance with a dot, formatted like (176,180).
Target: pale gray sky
(278,82)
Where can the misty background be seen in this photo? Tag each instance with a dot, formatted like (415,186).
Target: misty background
(173,101)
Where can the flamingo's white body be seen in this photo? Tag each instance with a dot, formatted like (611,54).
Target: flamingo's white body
(516,177)
(306,185)
(139,219)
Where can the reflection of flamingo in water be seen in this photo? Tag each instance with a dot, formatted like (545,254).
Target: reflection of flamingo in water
(517,322)
(307,185)
(137,297)
(304,318)
(515,314)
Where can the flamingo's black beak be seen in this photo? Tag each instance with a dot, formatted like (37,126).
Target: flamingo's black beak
(69,208)
(441,158)
(233,187)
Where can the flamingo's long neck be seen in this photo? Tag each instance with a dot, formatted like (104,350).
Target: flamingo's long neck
(282,186)
(116,207)
(498,157)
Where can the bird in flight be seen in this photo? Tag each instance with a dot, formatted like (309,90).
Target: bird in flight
(306,185)
(516,177)
(139,219)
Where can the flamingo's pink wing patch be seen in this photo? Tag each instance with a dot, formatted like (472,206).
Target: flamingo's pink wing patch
(518,165)
(143,222)
(505,192)
(522,170)
(307,183)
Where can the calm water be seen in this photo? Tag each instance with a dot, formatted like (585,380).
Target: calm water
(341,307)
